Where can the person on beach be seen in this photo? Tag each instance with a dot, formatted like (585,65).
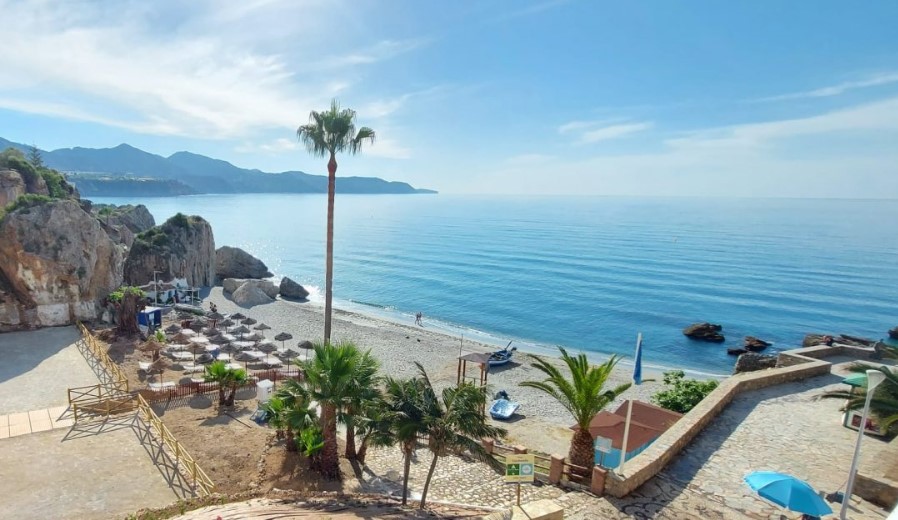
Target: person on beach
(418,318)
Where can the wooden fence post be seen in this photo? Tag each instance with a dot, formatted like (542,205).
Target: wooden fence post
(519,449)
(488,445)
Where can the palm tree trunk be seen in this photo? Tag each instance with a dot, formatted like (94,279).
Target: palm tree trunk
(581,453)
(363,451)
(291,440)
(330,460)
(221,395)
(433,466)
(329,262)
(350,442)
(406,468)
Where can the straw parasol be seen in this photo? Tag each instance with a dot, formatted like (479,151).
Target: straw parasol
(219,340)
(159,366)
(248,321)
(214,317)
(241,330)
(226,323)
(288,354)
(282,337)
(255,336)
(196,348)
(262,326)
(151,345)
(237,316)
(211,332)
(229,349)
(267,348)
(307,346)
(174,328)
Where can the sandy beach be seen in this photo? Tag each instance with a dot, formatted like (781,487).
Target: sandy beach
(543,424)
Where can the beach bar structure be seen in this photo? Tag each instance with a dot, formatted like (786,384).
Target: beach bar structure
(647,423)
(149,318)
(483,360)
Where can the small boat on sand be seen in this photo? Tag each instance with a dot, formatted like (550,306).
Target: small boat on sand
(503,408)
(501,357)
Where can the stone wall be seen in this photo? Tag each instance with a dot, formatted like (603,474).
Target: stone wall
(880,491)
(654,459)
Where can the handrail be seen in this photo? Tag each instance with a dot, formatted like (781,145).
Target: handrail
(201,481)
(103,357)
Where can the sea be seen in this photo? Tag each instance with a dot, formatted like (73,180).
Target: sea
(584,273)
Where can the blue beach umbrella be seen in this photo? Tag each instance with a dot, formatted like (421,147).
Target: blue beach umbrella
(789,492)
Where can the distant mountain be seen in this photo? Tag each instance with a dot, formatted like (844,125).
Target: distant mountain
(125,170)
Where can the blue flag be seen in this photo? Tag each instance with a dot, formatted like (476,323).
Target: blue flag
(637,366)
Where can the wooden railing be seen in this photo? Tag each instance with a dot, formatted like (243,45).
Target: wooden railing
(100,355)
(201,482)
(103,407)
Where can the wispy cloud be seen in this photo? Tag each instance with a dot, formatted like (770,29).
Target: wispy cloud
(388,148)
(837,89)
(596,131)
(277,146)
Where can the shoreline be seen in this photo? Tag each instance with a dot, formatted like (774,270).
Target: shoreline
(543,424)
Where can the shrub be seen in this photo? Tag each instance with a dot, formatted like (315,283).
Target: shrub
(56,183)
(681,394)
(180,220)
(29,200)
(117,295)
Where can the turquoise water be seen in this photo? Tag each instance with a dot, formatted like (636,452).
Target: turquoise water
(585,273)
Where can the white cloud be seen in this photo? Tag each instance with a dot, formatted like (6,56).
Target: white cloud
(596,131)
(840,88)
(169,68)
(387,148)
(274,147)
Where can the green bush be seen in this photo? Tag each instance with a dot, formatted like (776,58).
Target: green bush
(56,183)
(681,394)
(180,220)
(117,295)
(29,200)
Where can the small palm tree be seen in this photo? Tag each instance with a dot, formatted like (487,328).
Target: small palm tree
(328,133)
(329,381)
(290,412)
(583,395)
(227,379)
(373,426)
(883,404)
(362,390)
(455,423)
(404,411)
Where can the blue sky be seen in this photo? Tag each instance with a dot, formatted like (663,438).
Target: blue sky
(761,98)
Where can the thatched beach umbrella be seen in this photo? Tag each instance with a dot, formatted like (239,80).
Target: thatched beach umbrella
(246,357)
(159,366)
(152,346)
(266,347)
(262,326)
(248,321)
(229,349)
(237,316)
(282,337)
(219,340)
(183,337)
(307,346)
(211,332)
(174,328)
(241,330)
(196,348)
(288,354)
(214,317)
(226,323)
(197,326)
(255,336)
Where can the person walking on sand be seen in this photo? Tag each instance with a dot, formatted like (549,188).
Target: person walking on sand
(418,318)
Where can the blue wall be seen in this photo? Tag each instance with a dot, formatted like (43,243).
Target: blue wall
(612,459)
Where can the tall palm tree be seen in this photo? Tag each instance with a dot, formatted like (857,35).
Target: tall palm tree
(454,423)
(329,380)
(583,395)
(328,133)
(405,413)
(227,379)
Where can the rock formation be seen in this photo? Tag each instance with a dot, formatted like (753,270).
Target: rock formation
(291,289)
(233,262)
(230,285)
(182,247)
(751,362)
(894,333)
(56,265)
(736,351)
(753,344)
(12,186)
(122,223)
(248,295)
(705,332)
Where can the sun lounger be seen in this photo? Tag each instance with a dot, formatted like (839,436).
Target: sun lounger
(181,356)
(190,367)
(158,387)
(271,361)
(143,366)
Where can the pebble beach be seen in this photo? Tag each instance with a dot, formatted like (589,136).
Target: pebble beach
(543,422)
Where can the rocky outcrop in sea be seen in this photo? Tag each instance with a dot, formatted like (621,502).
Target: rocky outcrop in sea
(752,362)
(705,332)
(292,290)
(233,262)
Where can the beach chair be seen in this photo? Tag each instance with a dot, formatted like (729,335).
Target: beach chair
(143,366)
(158,387)
(191,368)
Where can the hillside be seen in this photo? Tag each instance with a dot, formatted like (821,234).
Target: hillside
(127,171)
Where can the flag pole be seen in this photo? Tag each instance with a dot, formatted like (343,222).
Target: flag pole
(637,378)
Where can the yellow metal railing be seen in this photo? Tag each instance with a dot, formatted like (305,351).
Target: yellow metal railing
(100,354)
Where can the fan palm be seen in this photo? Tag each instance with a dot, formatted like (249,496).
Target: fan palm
(328,133)
(583,395)
(883,404)
(373,425)
(290,411)
(361,391)
(227,379)
(403,400)
(330,381)
(454,423)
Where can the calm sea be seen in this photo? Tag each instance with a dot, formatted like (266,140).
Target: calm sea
(585,273)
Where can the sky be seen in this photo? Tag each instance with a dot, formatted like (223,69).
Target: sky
(658,98)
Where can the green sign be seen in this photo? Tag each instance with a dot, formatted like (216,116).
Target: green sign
(519,468)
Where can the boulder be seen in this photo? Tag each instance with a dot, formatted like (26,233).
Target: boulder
(248,295)
(705,332)
(291,289)
(233,262)
(136,218)
(230,285)
(182,247)
(12,186)
(736,351)
(854,341)
(751,362)
(57,265)
(812,340)
(894,333)
(753,344)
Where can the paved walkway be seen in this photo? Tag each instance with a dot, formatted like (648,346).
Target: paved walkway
(38,367)
(23,423)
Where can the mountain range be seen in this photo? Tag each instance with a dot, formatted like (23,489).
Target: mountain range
(129,171)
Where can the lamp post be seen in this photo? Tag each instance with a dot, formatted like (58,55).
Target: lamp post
(155,289)
(874,378)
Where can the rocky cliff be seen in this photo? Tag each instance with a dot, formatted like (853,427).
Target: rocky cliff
(122,223)
(182,247)
(12,186)
(56,265)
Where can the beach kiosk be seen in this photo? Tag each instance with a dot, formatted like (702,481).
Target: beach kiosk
(149,319)
(647,423)
(264,391)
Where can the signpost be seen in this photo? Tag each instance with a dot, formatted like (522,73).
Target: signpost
(519,468)
(603,446)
